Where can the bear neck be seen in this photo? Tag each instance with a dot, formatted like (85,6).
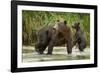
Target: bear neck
(78,29)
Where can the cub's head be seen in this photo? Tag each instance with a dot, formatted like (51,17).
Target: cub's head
(76,25)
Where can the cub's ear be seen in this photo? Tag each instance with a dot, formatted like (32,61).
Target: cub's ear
(57,20)
(78,23)
(65,22)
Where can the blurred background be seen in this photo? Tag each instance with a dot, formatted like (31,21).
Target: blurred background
(33,21)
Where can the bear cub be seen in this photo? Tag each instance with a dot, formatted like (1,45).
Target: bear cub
(79,37)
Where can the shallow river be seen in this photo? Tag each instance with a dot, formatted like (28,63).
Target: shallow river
(59,53)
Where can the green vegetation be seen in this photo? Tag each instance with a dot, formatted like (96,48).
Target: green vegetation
(34,20)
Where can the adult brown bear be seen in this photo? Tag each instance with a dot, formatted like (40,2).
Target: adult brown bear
(50,36)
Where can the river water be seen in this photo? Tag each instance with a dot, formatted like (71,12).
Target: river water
(59,53)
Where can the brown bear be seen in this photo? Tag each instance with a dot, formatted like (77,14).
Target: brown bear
(79,37)
(49,36)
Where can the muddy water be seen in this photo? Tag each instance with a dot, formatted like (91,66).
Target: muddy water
(59,53)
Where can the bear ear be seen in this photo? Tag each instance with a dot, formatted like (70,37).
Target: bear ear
(65,22)
(57,20)
(78,23)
